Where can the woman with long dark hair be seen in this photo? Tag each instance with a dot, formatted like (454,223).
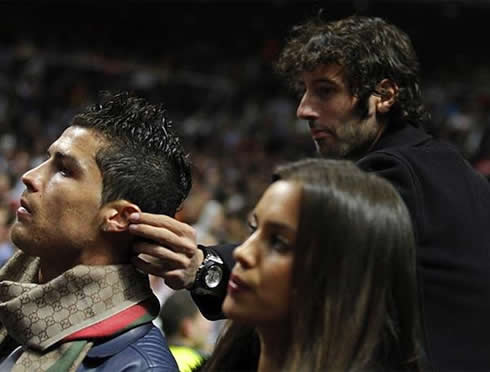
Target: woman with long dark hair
(327,279)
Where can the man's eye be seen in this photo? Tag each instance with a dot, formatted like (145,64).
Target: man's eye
(64,171)
(299,93)
(323,91)
(299,90)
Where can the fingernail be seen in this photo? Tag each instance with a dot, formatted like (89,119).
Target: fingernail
(134,216)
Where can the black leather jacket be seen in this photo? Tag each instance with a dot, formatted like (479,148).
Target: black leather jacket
(140,349)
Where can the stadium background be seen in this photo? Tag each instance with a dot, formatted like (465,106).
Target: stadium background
(210,63)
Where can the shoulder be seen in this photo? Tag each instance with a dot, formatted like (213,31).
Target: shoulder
(410,153)
(415,154)
(153,349)
(141,349)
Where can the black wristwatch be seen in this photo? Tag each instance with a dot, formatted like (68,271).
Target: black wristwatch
(210,277)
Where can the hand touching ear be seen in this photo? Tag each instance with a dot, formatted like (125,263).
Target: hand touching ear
(115,215)
(168,249)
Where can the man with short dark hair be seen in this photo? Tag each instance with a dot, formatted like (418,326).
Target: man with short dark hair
(70,300)
(357,80)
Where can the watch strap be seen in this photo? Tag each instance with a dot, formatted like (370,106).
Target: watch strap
(211,258)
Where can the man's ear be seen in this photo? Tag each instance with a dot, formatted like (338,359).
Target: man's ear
(115,215)
(387,92)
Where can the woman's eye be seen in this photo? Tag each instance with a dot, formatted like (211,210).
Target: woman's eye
(251,227)
(279,244)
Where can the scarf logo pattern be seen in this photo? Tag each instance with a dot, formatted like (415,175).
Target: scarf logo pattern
(40,315)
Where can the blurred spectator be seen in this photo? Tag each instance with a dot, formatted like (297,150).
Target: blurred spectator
(482,158)
(6,247)
(210,226)
(188,332)
(237,121)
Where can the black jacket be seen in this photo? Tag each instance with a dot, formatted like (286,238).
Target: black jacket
(450,208)
(141,349)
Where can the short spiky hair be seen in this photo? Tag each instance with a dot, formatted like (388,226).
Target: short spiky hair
(369,50)
(143,161)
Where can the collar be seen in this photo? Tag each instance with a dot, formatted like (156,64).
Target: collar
(119,343)
(407,135)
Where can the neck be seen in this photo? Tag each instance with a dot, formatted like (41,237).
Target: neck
(378,136)
(103,253)
(273,348)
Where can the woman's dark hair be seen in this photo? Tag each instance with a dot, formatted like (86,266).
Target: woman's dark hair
(369,50)
(354,297)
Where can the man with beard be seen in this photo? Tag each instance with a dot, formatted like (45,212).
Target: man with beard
(358,83)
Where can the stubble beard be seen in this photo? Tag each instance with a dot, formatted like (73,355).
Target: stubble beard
(338,152)
(354,143)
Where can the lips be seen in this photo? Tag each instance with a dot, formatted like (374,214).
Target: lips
(24,204)
(237,285)
(320,133)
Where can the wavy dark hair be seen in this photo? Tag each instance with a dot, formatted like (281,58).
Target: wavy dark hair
(369,50)
(354,298)
(143,161)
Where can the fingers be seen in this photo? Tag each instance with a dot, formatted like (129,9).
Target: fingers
(158,220)
(147,266)
(167,232)
(164,238)
(167,249)
(174,278)
(161,256)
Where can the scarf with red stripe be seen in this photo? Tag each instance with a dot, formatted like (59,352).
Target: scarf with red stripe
(58,322)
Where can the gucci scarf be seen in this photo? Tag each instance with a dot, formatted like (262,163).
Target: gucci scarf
(58,322)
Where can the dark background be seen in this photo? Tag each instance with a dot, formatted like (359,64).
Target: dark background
(441,30)
(210,63)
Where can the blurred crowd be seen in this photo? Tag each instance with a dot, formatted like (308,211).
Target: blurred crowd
(236,118)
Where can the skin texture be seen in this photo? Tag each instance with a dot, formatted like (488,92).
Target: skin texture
(61,219)
(63,197)
(328,106)
(259,287)
(260,283)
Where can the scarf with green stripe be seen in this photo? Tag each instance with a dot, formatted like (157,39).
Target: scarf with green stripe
(58,322)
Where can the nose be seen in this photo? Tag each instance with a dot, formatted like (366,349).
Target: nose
(306,109)
(32,179)
(245,254)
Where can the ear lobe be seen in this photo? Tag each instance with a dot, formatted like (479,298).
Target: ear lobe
(116,214)
(387,92)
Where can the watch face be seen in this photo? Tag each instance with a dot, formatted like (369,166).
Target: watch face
(213,276)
